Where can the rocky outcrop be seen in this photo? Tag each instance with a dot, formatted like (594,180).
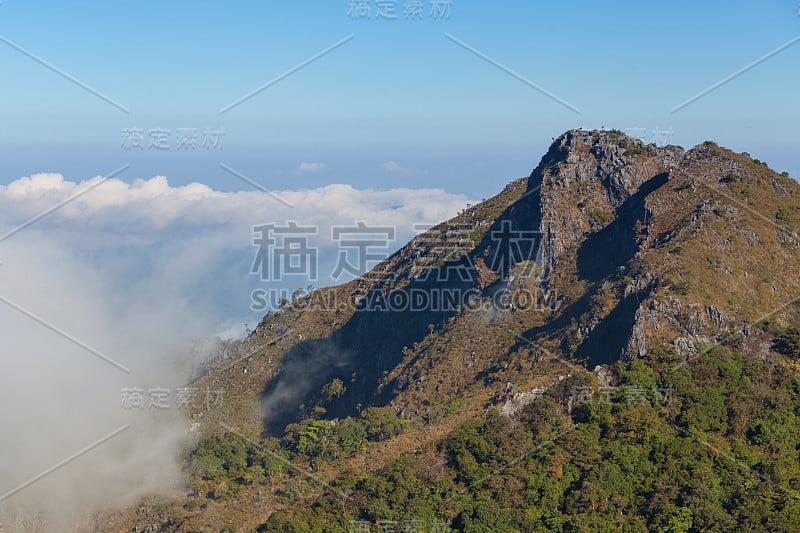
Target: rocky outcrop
(581,181)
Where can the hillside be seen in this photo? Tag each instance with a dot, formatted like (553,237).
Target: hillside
(609,344)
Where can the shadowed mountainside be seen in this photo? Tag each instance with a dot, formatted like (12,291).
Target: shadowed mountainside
(610,253)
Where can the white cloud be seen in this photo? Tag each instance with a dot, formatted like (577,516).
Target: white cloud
(311,167)
(136,270)
(393,167)
(149,205)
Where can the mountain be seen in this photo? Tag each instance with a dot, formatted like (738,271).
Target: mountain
(609,344)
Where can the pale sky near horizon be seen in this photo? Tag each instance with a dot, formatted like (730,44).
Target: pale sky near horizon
(424,99)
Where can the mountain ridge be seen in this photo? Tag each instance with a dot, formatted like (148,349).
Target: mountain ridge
(625,252)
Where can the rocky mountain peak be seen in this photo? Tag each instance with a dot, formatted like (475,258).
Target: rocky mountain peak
(642,258)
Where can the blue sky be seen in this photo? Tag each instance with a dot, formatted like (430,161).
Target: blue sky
(399,91)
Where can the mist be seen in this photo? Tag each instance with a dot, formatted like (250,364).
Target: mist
(124,289)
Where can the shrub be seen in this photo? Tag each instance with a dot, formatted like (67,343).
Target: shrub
(219,457)
(381,423)
(600,216)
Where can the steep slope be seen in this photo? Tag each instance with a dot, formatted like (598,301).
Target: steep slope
(611,253)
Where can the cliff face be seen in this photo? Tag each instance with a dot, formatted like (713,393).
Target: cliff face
(584,178)
(684,234)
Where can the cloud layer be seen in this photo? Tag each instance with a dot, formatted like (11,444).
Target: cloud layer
(134,272)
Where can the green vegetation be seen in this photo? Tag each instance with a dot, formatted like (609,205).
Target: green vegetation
(782,217)
(223,465)
(600,217)
(787,340)
(330,440)
(677,284)
(719,453)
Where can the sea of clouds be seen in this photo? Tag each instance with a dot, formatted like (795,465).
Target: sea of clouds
(115,289)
